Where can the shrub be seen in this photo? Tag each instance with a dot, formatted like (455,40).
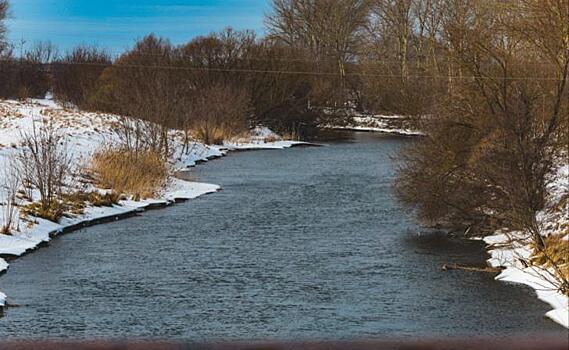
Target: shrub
(218,113)
(26,77)
(45,165)
(70,204)
(140,174)
(53,212)
(9,185)
(555,255)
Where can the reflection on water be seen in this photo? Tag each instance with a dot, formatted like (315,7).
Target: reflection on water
(301,243)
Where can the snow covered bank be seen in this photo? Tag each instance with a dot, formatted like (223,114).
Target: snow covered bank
(512,251)
(389,124)
(86,133)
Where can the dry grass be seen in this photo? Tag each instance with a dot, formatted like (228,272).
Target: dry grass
(211,135)
(53,212)
(556,252)
(70,204)
(139,174)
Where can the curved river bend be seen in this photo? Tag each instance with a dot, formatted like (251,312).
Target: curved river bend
(303,243)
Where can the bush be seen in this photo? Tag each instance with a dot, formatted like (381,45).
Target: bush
(554,256)
(9,185)
(45,164)
(53,212)
(70,204)
(140,174)
(219,113)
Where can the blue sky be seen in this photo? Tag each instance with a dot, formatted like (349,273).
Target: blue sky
(116,24)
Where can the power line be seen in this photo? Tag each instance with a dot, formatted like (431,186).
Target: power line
(366,62)
(306,73)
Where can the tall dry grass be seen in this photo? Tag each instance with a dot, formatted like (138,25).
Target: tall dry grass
(140,174)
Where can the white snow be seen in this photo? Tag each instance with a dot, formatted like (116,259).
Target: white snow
(538,278)
(87,132)
(377,123)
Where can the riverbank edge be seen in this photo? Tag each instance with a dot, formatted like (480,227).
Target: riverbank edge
(129,209)
(503,256)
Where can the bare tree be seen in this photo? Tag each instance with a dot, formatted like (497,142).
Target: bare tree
(45,165)
(219,112)
(9,190)
(491,152)
(332,30)
(4,7)
(75,75)
(394,18)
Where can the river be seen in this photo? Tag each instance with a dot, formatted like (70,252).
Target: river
(306,243)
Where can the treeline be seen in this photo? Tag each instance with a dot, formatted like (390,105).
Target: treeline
(487,77)
(218,85)
(319,61)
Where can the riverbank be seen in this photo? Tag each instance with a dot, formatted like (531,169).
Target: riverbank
(88,131)
(512,250)
(85,133)
(305,243)
(387,124)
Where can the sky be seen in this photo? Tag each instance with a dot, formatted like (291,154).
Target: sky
(117,24)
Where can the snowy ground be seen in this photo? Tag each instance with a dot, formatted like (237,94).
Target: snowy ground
(87,132)
(389,124)
(510,250)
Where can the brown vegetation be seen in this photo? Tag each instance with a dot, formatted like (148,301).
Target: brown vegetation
(555,255)
(497,134)
(219,112)
(140,174)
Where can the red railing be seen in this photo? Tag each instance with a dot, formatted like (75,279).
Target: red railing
(518,343)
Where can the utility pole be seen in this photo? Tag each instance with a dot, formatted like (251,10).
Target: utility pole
(22,91)
(22,45)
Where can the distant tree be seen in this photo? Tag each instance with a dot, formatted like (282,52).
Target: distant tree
(75,75)
(32,76)
(332,30)
(143,83)
(4,6)
(218,113)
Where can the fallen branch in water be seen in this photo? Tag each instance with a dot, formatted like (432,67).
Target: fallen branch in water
(448,267)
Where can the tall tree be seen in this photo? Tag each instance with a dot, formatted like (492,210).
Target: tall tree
(4,6)
(395,19)
(330,29)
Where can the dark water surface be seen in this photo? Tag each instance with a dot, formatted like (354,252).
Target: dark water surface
(301,243)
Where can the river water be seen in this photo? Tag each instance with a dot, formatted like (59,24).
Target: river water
(306,243)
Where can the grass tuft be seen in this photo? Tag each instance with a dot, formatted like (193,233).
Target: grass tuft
(139,174)
(556,252)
